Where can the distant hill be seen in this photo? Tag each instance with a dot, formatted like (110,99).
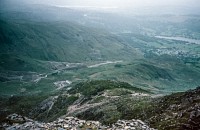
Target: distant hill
(57,41)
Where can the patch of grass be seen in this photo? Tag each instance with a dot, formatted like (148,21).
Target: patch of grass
(119,92)
(58,109)
(120,108)
(98,99)
(92,88)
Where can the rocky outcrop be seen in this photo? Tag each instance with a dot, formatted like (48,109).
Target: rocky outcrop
(17,122)
(130,125)
(179,111)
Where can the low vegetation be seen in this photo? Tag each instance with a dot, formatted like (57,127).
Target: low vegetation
(92,88)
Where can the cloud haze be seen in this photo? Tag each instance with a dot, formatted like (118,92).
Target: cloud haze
(117,3)
(151,6)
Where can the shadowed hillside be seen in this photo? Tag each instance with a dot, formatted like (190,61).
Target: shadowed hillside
(21,41)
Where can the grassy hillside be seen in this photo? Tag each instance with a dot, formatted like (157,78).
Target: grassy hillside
(108,101)
(32,46)
(176,111)
(38,105)
(57,42)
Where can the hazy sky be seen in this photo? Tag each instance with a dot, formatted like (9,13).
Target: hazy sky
(119,3)
(136,6)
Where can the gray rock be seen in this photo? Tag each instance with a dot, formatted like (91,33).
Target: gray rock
(73,123)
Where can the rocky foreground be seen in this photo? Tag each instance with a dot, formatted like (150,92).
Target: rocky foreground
(17,122)
(104,109)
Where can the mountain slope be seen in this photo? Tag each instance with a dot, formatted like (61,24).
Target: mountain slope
(107,102)
(59,42)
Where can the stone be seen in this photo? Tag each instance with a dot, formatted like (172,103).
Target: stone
(131,124)
(139,121)
(73,123)
(59,128)
(126,127)
(192,114)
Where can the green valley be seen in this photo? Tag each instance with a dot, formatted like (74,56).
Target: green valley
(115,67)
